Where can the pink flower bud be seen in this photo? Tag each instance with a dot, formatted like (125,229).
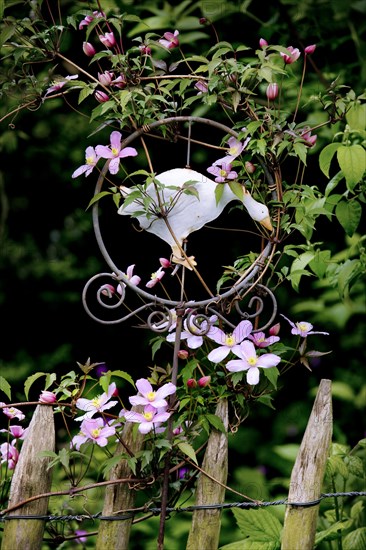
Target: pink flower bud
(145,50)
(191,383)
(164,262)
(88,49)
(107,290)
(250,167)
(108,39)
(183,354)
(294,54)
(263,43)
(47,397)
(105,78)
(310,49)
(272,91)
(101,97)
(273,331)
(204,381)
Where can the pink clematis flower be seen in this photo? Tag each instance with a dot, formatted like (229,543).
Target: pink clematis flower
(292,56)
(272,91)
(310,140)
(91,160)
(96,405)
(228,342)
(260,341)
(303,328)
(170,40)
(150,419)
(12,412)
(201,86)
(105,78)
(9,454)
(147,396)
(250,362)
(134,279)
(235,149)
(193,334)
(95,430)
(56,86)
(16,431)
(120,82)
(222,172)
(89,18)
(156,277)
(114,152)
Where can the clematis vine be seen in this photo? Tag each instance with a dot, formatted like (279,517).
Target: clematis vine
(303,328)
(250,362)
(151,418)
(228,342)
(147,396)
(91,160)
(97,404)
(95,430)
(115,152)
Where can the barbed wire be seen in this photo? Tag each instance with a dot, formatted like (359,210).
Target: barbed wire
(156,511)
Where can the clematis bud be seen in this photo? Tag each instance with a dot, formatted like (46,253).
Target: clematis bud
(101,97)
(250,167)
(191,383)
(263,43)
(182,354)
(272,91)
(292,56)
(164,262)
(145,50)
(105,78)
(47,397)
(108,40)
(274,331)
(204,381)
(88,49)
(310,49)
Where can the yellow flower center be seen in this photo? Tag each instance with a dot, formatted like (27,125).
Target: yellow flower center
(302,326)
(115,151)
(90,160)
(148,416)
(252,361)
(150,396)
(223,173)
(96,402)
(230,340)
(95,433)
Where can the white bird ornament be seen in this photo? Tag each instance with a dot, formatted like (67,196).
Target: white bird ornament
(182,202)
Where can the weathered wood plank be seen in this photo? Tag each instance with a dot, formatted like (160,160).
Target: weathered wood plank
(308,473)
(205,528)
(116,534)
(31,478)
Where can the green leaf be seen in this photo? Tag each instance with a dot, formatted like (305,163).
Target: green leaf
(237,189)
(288,451)
(355,539)
(298,268)
(333,532)
(188,450)
(320,262)
(333,183)
(97,197)
(356,116)
(301,151)
(326,156)
(30,380)
(216,422)
(5,387)
(272,375)
(349,215)
(348,272)
(258,525)
(352,161)
(124,375)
